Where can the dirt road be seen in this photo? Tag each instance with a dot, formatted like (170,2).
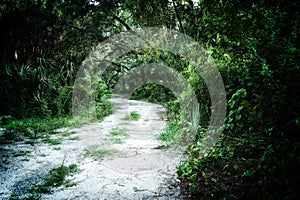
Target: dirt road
(118,158)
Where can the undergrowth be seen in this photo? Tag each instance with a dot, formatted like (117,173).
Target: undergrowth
(170,133)
(55,178)
(32,128)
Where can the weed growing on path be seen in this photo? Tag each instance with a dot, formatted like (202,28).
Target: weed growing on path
(50,141)
(133,116)
(57,148)
(55,178)
(67,133)
(21,153)
(117,136)
(96,153)
(74,138)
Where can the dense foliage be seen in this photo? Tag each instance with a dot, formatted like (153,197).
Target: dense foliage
(256,47)
(43,44)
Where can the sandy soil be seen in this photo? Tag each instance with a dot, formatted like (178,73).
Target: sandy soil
(135,170)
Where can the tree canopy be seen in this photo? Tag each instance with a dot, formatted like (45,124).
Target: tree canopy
(255,45)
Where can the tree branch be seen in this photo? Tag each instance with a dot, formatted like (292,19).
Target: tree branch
(122,22)
(178,17)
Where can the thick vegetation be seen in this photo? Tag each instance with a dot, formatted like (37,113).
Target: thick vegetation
(255,45)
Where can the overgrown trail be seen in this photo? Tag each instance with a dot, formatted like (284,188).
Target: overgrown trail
(119,158)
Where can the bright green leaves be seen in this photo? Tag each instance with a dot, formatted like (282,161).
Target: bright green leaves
(248,173)
(241,93)
(236,105)
(170,133)
(133,116)
(190,170)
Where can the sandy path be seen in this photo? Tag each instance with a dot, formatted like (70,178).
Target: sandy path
(136,169)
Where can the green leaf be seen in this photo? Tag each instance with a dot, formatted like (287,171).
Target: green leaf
(248,173)
(193,177)
(297,121)
(238,116)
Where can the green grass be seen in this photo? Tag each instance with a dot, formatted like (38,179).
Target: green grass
(117,136)
(74,138)
(118,132)
(50,141)
(57,148)
(21,153)
(133,116)
(169,135)
(67,133)
(55,178)
(40,124)
(96,153)
(103,108)
(33,128)
(162,114)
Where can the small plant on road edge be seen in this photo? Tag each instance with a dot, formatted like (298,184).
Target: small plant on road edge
(133,116)
(50,141)
(170,133)
(21,153)
(55,178)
